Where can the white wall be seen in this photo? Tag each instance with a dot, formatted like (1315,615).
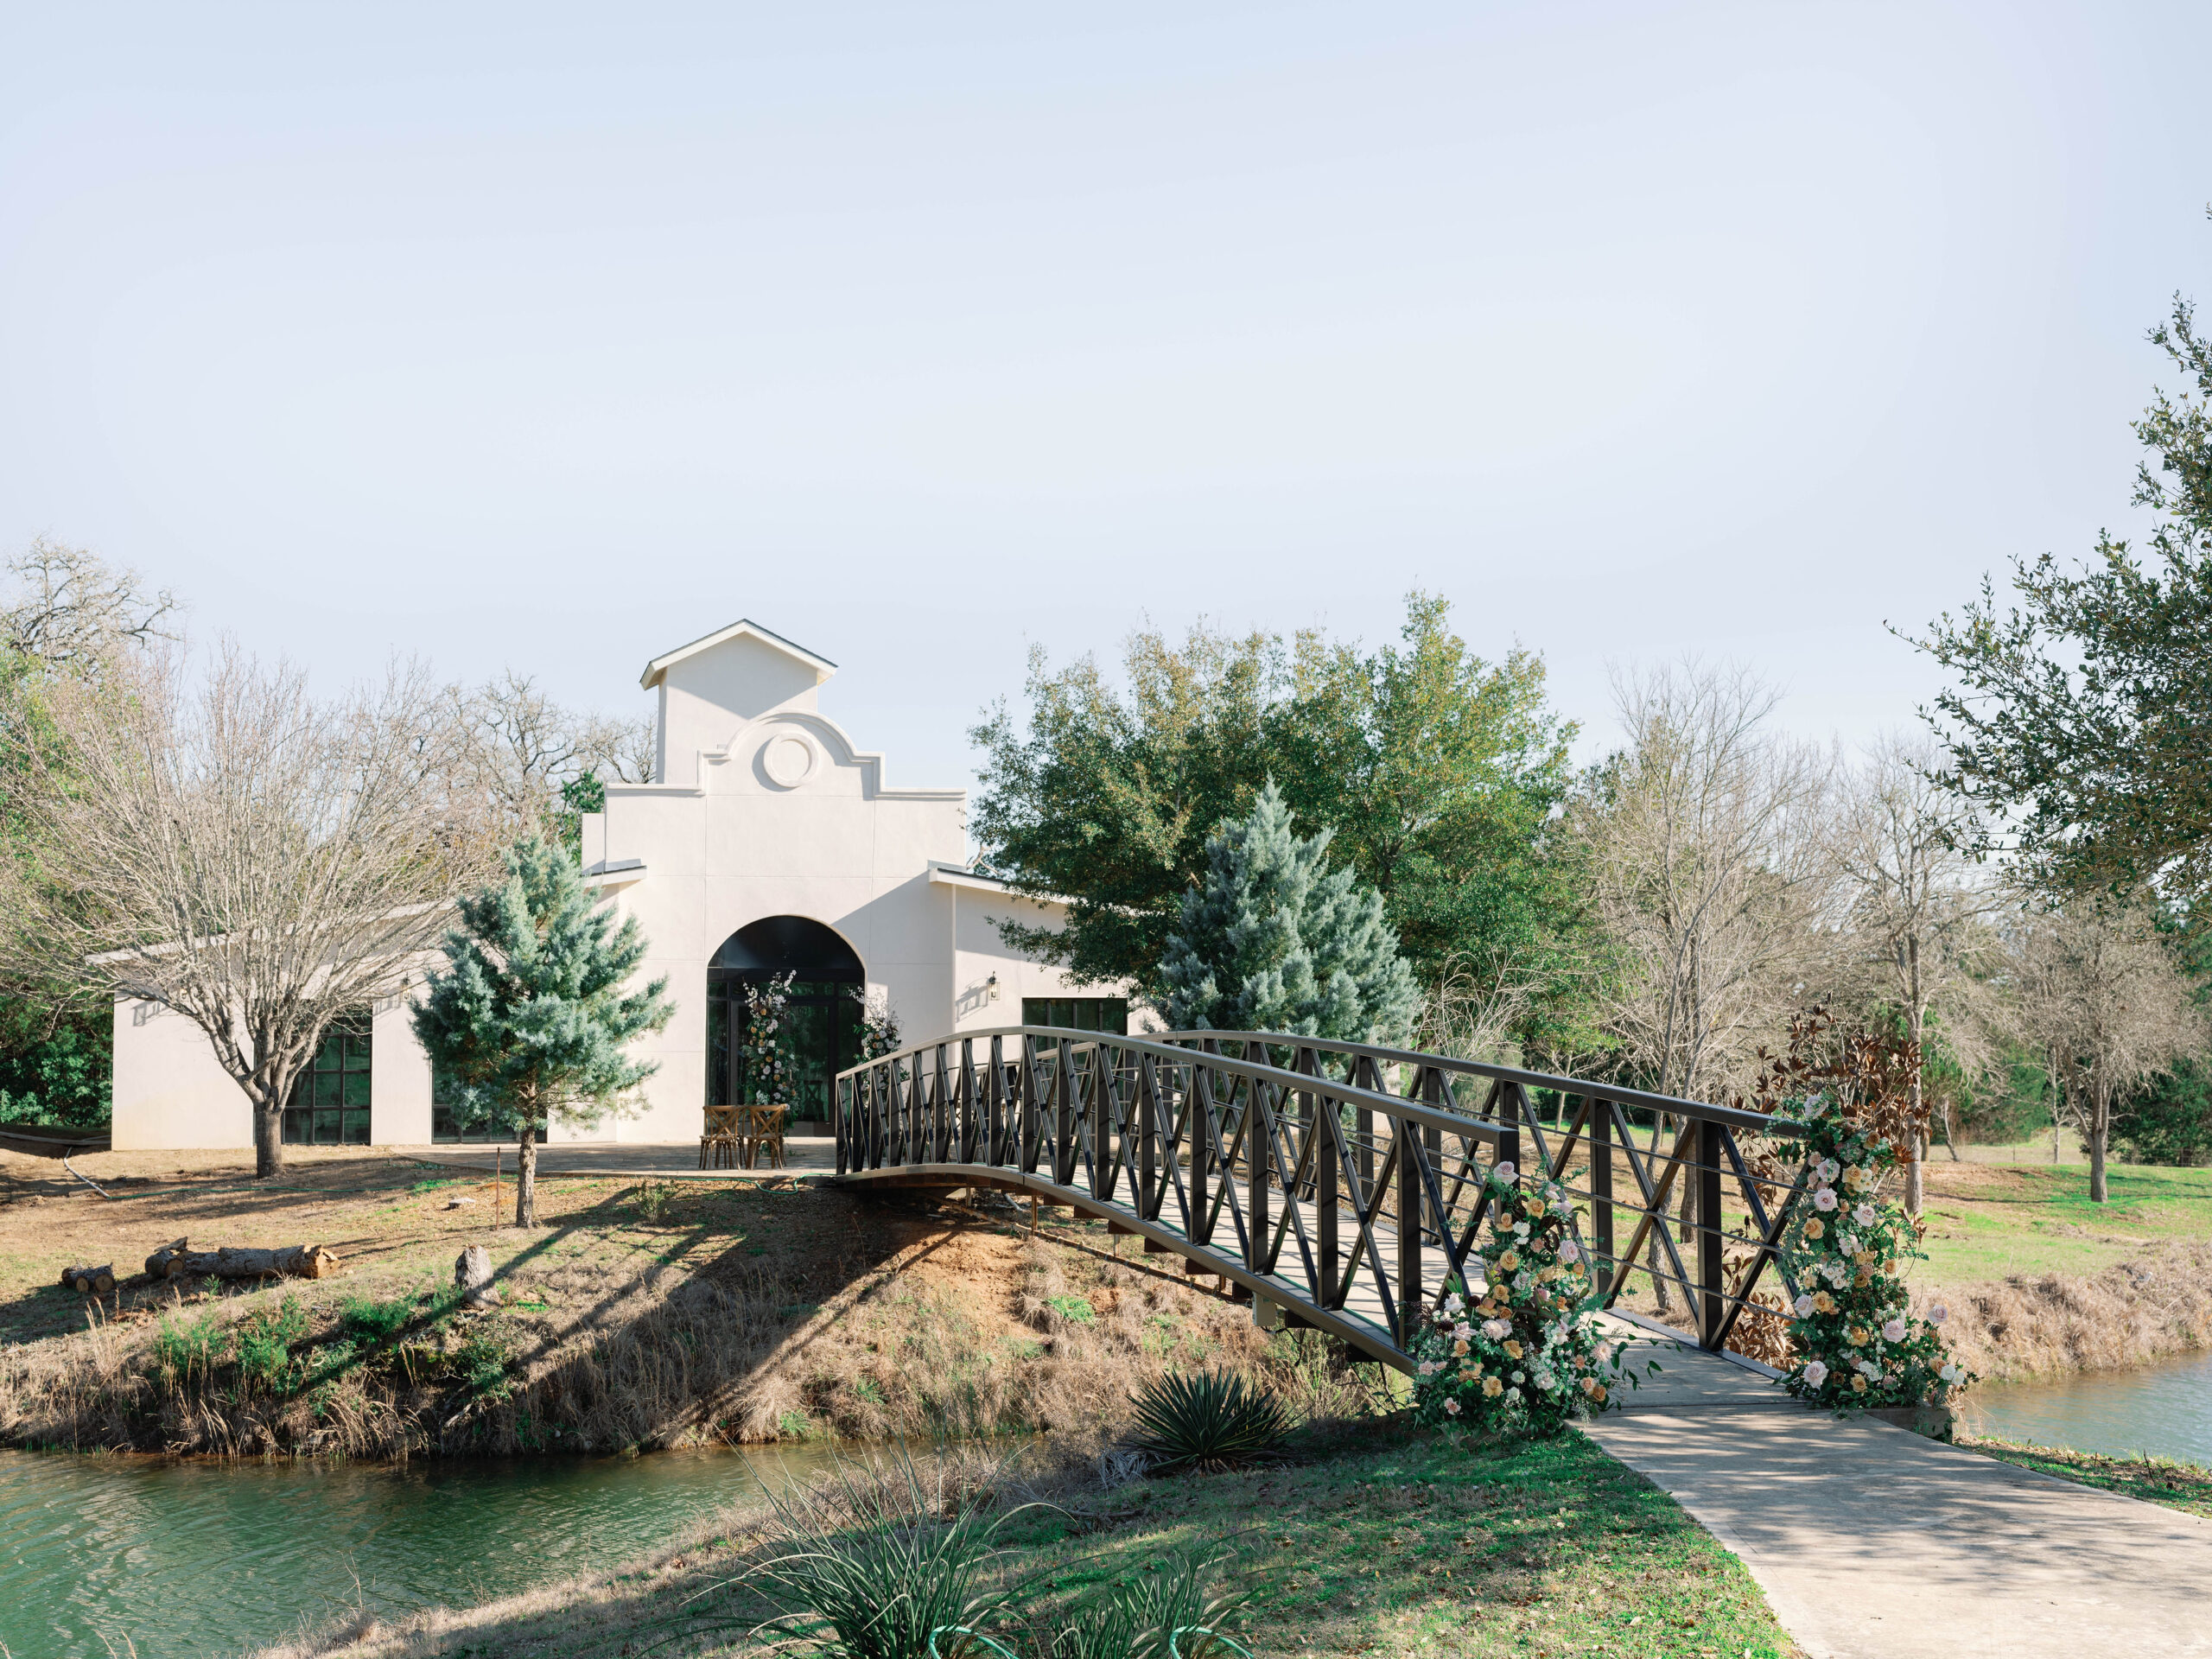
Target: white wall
(767,809)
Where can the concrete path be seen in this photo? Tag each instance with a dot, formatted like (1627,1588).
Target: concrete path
(1872,1543)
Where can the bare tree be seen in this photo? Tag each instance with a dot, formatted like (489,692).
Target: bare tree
(2098,991)
(1915,910)
(73,613)
(1478,1000)
(522,748)
(1711,882)
(234,850)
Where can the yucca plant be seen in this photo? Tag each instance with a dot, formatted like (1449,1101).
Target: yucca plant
(1211,1419)
(877,1564)
(1166,1613)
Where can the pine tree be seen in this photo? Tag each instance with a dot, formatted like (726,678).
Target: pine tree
(529,1022)
(1275,940)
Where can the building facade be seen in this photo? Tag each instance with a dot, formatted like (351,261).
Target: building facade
(768,844)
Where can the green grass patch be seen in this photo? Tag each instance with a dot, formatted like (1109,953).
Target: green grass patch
(1076,1310)
(2168,1481)
(1990,1221)
(1431,1546)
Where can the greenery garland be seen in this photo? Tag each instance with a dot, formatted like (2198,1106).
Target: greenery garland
(1530,1354)
(1857,1344)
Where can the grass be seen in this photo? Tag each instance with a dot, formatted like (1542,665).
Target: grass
(1367,1543)
(1989,1221)
(2167,1481)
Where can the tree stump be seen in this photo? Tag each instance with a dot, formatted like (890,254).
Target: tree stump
(472,1274)
(179,1261)
(89,1281)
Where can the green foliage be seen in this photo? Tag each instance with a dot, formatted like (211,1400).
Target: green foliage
(1857,1344)
(1173,1609)
(2170,1121)
(1437,772)
(264,1342)
(1274,940)
(188,1351)
(529,1021)
(1076,1310)
(56,1063)
(1207,1419)
(2082,717)
(1530,1356)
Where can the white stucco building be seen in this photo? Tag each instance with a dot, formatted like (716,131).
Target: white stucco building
(768,842)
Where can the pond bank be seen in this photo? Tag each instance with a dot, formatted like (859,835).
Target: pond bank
(641,1315)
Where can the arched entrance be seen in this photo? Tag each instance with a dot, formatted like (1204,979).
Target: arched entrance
(822,1019)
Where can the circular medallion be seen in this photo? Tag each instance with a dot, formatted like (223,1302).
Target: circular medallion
(787,760)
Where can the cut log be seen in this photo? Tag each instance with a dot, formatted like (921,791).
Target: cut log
(472,1274)
(89,1281)
(179,1261)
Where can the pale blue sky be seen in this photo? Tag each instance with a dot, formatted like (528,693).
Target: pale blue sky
(553,338)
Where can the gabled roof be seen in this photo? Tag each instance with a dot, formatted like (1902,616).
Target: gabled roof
(822,667)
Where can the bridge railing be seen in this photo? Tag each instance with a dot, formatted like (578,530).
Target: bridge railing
(1357,1174)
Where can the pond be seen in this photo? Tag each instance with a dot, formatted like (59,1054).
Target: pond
(209,1559)
(2165,1409)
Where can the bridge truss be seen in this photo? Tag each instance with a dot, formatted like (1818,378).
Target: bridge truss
(1337,1185)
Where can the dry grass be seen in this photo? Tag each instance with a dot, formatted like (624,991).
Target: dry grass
(2157,1304)
(642,1316)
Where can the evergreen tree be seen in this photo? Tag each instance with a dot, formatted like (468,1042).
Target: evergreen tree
(1275,940)
(529,1022)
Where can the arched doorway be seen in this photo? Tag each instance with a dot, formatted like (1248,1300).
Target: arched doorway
(821,1018)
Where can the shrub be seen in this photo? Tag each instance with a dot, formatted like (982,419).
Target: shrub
(1152,1616)
(1212,1419)
(1529,1355)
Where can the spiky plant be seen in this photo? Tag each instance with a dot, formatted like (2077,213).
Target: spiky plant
(1168,1613)
(876,1562)
(1208,1419)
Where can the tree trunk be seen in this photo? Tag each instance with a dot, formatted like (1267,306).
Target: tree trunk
(526,1176)
(297,1262)
(1916,1178)
(1915,1172)
(268,1139)
(2100,1132)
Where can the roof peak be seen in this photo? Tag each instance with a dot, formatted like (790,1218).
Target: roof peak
(745,628)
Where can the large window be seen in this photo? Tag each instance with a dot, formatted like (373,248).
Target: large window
(330,1100)
(821,1031)
(1078,1012)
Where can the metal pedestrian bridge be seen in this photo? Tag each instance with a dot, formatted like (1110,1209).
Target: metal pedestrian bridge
(1339,1187)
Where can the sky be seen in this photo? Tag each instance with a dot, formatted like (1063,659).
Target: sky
(549,338)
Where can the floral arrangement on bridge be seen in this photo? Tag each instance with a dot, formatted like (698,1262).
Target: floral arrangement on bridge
(1856,1345)
(763,1049)
(1523,1351)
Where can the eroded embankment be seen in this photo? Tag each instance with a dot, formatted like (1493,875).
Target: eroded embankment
(955,1322)
(2031,1326)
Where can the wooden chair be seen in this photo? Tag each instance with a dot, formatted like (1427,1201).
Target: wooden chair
(721,1141)
(764,1134)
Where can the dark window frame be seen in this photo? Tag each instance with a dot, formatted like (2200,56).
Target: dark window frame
(330,1104)
(1104,1014)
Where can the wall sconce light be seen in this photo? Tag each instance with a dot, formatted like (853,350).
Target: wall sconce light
(991,988)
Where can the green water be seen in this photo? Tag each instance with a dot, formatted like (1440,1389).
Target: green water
(209,1559)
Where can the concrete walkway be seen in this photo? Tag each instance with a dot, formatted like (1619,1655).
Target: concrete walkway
(1872,1543)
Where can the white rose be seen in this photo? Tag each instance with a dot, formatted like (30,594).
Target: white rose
(1570,1252)
(1893,1331)
(1802,1308)
(1496,1330)
(1864,1215)
(1452,1303)
(1520,1230)
(1504,1172)
(1520,1376)
(1828,1169)
(1938,1313)
(1428,1367)
(1816,1373)
(1847,1244)
(1513,1394)
(1463,1332)
(1824,1199)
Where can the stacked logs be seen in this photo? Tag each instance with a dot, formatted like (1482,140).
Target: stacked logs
(179,1261)
(89,1281)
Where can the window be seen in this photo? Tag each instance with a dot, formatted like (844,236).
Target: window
(1078,1012)
(330,1100)
(444,1128)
